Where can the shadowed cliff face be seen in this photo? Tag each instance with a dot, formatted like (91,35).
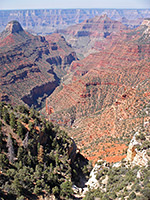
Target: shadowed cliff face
(31,66)
(106,96)
(13,27)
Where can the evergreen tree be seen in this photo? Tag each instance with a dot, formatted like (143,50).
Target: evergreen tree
(6,115)
(1,109)
(66,189)
(12,120)
(21,130)
(1,141)
(1,125)
(2,164)
(17,186)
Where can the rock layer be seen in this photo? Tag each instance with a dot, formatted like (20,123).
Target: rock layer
(31,66)
(85,36)
(49,20)
(106,96)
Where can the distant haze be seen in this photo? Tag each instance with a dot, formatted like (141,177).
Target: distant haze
(42,4)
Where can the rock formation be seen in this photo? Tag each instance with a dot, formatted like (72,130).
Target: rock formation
(11,28)
(84,37)
(138,151)
(106,94)
(46,21)
(31,66)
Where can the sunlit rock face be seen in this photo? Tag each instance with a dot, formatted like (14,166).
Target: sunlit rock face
(31,66)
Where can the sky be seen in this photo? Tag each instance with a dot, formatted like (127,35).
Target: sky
(47,4)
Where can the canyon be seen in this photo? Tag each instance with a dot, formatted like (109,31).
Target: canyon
(31,66)
(46,21)
(90,82)
(86,36)
(104,98)
(101,99)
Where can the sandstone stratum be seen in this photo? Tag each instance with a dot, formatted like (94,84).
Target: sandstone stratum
(105,97)
(86,36)
(31,66)
(101,100)
(46,21)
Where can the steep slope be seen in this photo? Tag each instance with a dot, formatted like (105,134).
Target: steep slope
(128,179)
(31,66)
(84,37)
(107,94)
(37,159)
(46,21)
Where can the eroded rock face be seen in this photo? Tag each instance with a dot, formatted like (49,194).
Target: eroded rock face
(84,37)
(138,156)
(106,95)
(132,150)
(146,22)
(13,27)
(49,20)
(31,66)
(99,79)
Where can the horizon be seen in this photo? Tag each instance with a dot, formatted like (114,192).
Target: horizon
(71,4)
(75,9)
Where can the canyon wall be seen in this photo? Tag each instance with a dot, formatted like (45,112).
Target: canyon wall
(49,20)
(31,66)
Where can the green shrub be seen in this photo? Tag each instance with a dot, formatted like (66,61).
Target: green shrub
(142,136)
(137,188)
(66,189)
(132,196)
(146,192)
(146,144)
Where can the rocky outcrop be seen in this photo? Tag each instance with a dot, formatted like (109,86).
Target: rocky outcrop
(106,95)
(146,22)
(132,150)
(137,153)
(84,36)
(11,28)
(93,183)
(31,66)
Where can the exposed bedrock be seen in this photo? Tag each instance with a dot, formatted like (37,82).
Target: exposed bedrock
(39,93)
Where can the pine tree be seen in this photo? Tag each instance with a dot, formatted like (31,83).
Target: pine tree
(1,141)
(1,109)
(10,149)
(6,115)
(2,164)
(66,189)
(21,130)
(12,120)
(1,125)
